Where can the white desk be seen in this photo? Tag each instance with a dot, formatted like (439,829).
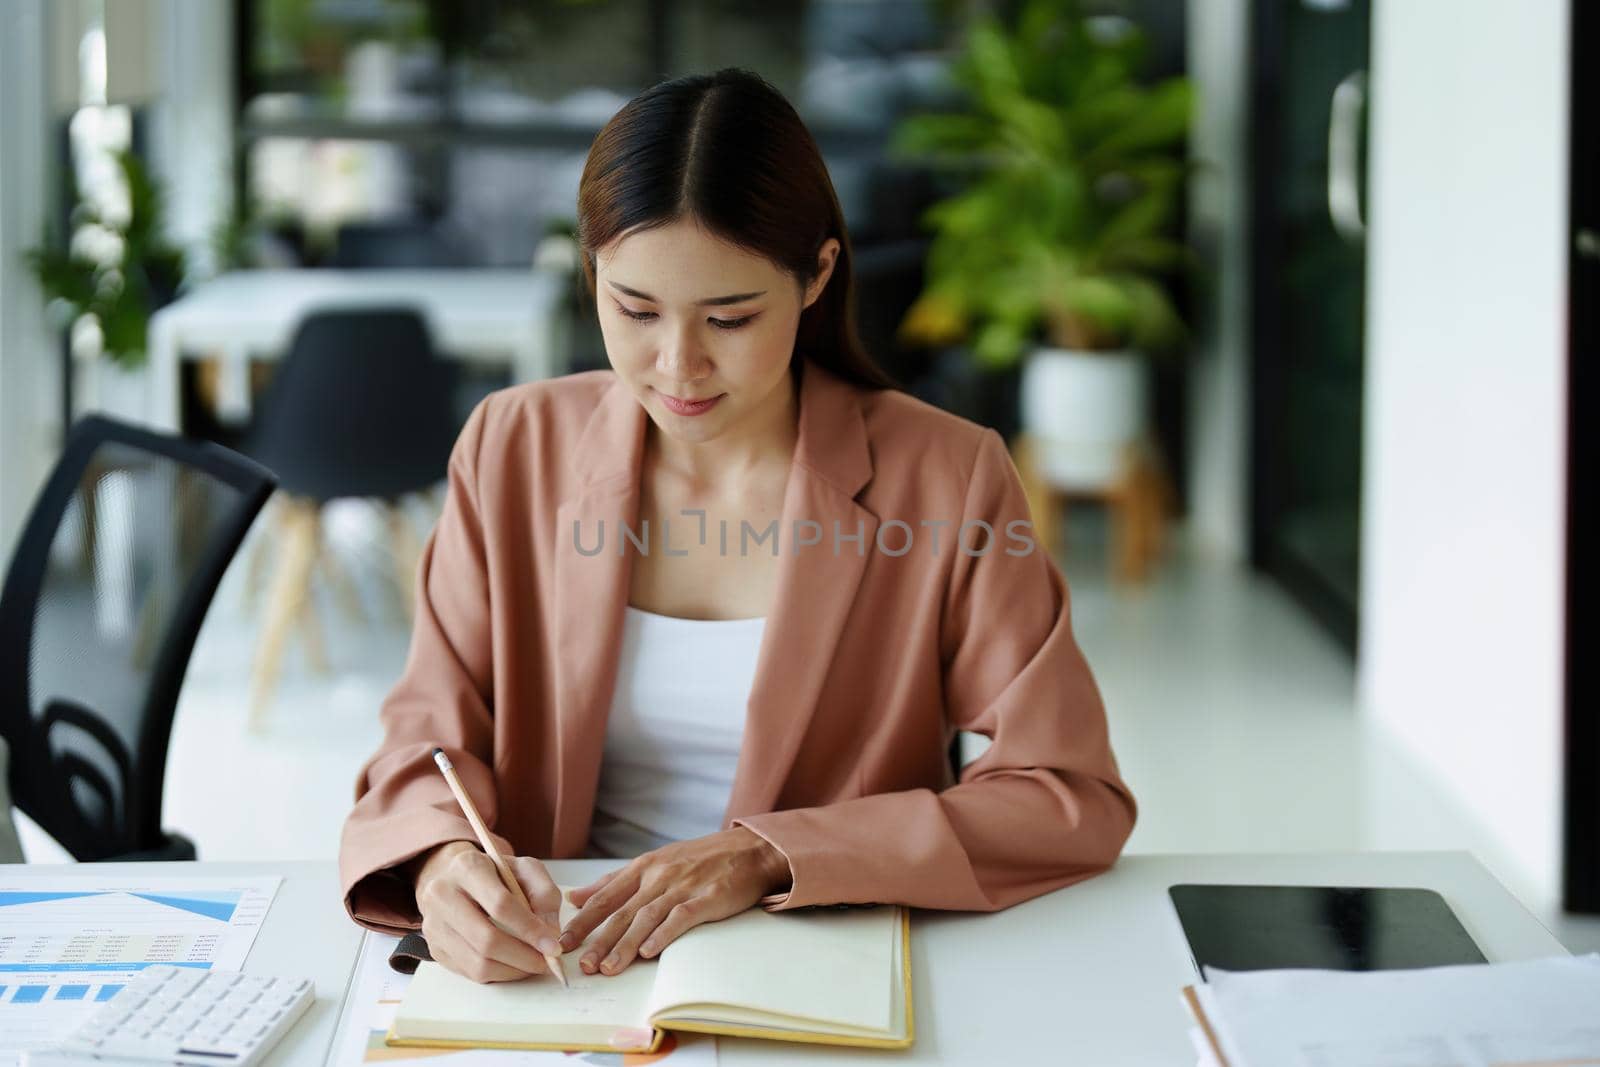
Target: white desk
(1098,965)
(509,316)
(1101,963)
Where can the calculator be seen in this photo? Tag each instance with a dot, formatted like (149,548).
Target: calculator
(189,1016)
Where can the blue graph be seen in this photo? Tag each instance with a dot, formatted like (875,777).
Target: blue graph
(213,905)
(218,906)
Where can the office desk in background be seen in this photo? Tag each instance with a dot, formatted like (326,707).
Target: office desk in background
(508,317)
(1086,975)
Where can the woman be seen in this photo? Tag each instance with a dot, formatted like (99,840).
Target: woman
(719,611)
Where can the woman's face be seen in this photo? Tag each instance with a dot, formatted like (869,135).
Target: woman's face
(689,318)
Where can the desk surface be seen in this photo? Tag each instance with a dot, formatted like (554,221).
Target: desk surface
(1087,975)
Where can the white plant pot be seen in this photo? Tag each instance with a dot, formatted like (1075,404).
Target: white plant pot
(109,389)
(1082,410)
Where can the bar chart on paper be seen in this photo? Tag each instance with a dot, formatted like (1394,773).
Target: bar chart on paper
(67,943)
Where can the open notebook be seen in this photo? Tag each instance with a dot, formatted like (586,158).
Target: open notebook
(828,976)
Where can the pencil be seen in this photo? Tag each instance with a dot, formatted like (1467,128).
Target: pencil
(471,811)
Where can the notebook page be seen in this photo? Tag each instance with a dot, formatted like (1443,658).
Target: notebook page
(441,1004)
(722,1015)
(822,967)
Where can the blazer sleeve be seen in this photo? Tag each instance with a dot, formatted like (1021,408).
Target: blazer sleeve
(403,805)
(1042,808)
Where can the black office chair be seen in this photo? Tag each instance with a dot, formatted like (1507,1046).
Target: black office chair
(393,245)
(109,584)
(360,407)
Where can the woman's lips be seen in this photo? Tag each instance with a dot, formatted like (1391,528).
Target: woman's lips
(689,407)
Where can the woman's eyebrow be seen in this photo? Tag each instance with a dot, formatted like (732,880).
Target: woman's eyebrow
(736,298)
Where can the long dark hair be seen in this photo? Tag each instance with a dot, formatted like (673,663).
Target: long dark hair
(728,151)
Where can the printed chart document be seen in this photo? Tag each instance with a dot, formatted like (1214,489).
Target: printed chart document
(68,942)
(1528,1013)
(375,993)
(827,976)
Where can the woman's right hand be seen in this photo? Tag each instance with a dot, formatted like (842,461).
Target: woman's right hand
(477,927)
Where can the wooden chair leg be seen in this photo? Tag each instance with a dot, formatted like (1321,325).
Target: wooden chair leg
(1041,500)
(311,630)
(290,588)
(344,589)
(1153,508)
(407,553)
(256,566)
(1122,500)
(310,625)
(150,627)
(88,499)
(1124,565)
(1148,499)
(1145,510)
(1058,505)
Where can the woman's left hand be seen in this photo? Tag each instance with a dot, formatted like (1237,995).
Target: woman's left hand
(643,907)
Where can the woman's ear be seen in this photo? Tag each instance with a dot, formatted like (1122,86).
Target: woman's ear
(827,256)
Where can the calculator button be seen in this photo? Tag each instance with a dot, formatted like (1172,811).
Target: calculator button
(184,982)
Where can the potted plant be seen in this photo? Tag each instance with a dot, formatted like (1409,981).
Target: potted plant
(115,272)
(1067,173)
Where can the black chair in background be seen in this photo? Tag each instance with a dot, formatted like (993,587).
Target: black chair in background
(395,244)
(360,407)
(105,595)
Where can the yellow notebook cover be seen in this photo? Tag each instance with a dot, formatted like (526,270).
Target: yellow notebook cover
(729,1029)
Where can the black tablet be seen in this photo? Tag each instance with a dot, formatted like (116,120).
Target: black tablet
(1260,927)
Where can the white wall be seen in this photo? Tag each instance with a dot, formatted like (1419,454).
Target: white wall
(1465,438)
(29,356)
(192,129)
(1218,57)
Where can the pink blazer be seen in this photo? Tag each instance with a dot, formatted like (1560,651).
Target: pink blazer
(874,653)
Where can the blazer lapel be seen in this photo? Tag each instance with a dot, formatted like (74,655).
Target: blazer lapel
(591,592)
(815,588)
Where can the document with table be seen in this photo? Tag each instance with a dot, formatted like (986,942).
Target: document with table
(1519,1014)
(827,976)
(71,942)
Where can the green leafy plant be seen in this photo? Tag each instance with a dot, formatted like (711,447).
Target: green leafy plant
(1068,172)
(121,292)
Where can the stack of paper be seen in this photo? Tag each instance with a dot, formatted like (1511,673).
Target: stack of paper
(1532,1012)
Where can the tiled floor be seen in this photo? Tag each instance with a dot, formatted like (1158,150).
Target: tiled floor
(1233,718)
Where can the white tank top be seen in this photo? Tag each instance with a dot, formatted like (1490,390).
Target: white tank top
(676,723)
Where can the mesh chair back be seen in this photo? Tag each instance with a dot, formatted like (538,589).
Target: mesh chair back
(360,407)
(101,606)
